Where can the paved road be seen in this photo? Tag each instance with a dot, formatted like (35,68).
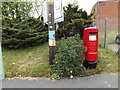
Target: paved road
(97,81)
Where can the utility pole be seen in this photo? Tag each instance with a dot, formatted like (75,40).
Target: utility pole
(51,27)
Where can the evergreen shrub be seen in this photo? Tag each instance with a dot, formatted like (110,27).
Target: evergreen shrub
(28,32)
(69,57)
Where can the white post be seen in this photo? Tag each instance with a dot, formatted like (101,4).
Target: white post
(1,65)
(105,34)
(1,60)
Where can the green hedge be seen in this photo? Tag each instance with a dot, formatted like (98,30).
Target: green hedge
(69,57)
(28,32)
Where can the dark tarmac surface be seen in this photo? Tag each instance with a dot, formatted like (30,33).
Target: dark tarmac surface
(97,81)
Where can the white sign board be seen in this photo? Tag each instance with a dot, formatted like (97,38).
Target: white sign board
(44,11)
(92,37)
(58,11)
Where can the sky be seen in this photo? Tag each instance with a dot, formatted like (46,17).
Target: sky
(85,4)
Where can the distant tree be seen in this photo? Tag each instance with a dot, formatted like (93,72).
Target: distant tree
(19,28)
(16,11)
(75,20)
(37,8)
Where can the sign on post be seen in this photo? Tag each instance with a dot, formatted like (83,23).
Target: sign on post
(52,38)
(58,11)
(44,10)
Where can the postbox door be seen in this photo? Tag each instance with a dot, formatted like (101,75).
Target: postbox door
(93,42)
(92,46)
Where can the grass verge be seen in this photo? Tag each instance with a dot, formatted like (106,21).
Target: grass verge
(107,63)
(33,62)
(111,34)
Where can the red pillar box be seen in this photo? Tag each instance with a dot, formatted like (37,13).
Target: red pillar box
(91,44)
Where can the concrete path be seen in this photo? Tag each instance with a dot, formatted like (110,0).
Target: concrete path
(97,81)
(113,47)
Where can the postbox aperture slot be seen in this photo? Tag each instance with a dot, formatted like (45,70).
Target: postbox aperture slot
(92,37)
(92,32)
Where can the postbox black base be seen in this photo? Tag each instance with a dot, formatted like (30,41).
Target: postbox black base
(90,64)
